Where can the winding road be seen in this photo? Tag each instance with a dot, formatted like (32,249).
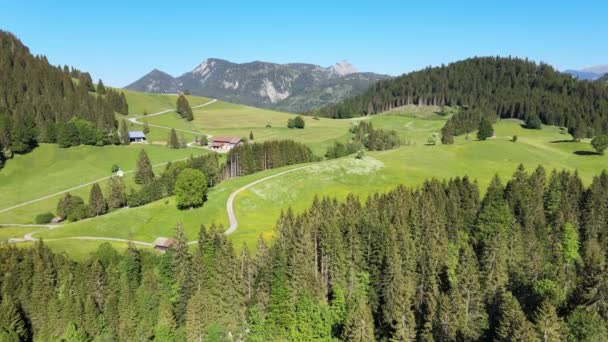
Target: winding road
(134,120)
(229,204)
(229,209)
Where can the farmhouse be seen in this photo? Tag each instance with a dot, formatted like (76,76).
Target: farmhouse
(224,143)
(161,244)
(137,136)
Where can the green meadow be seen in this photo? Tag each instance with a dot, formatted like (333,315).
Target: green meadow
(50,169)
(259,207)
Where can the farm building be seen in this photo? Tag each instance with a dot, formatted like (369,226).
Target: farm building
(137,136)
(224,143)
(161,244)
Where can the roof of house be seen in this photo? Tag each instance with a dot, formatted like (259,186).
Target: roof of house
(136,135)
(163,242)
(228,140)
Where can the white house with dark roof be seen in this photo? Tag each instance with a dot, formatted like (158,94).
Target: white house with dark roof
(137,136)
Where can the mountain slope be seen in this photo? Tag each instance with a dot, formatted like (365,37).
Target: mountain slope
(508,87)
(293,87)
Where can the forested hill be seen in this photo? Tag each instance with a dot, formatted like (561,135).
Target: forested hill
(509,87)
(37,99)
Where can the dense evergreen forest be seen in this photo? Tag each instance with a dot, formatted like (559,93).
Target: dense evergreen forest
(40,103)
(505,87)
(526,262)
(246,159)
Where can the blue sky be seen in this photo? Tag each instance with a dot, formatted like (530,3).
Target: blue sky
(119,41)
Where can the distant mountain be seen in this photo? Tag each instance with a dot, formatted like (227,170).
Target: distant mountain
(604,78)
(589,74)
(293,87)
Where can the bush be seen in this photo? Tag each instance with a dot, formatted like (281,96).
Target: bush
(299,122)
(44,218)
(115,168)
(600,143)
(533,122)
(268,125)
(514,139)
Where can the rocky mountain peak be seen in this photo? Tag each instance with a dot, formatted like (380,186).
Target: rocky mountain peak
(344,68)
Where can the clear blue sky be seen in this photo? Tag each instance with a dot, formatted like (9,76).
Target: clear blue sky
(119,41)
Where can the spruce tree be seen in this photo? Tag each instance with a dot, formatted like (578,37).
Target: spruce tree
(124,133)
(173,141)
(512,322)
(101,89)
(146,129)
(97,203)
(143,169)
(117,197)
(251,135)
(183,108)
(485,129)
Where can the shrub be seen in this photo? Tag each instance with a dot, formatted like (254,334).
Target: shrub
(44,218)
(514,139)
(600,143)
(115,168)
(299,122)
(533,122)
(268,125)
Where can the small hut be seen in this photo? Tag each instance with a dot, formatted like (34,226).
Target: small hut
(161,244)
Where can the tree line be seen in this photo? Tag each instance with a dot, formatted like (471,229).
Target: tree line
(526,261)
(496,86)
(245,159)
(364,135)
(187,179)
(38,102)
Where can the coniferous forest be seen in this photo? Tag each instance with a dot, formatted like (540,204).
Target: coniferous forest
(524,262)
(492,86)
(40,103)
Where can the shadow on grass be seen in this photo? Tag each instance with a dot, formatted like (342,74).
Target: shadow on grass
(586,153)
(561,141)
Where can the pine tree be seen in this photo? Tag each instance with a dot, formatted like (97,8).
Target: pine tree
(101,89)
(97,202)
(447,134)
(485,129)
(173,142)
(124,133)
(251,135)
(183,108)
(118,196)
(549,327)
(143,169)
(512,322)
(146,127)
(359,322)
(11,319)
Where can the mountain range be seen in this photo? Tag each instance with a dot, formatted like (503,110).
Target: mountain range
(295,87)
(590,74)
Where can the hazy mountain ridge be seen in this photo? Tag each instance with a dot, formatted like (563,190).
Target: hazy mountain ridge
(294,87)
(589,74)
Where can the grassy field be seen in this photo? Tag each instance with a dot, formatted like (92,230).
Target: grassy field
(226,119)
(50,169)
(258,208)
(152,103)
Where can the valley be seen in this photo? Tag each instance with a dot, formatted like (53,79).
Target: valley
(258,207)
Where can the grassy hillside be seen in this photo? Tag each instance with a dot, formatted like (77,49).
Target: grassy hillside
(50,169)
(152,103)
(258,208)
(222,118)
